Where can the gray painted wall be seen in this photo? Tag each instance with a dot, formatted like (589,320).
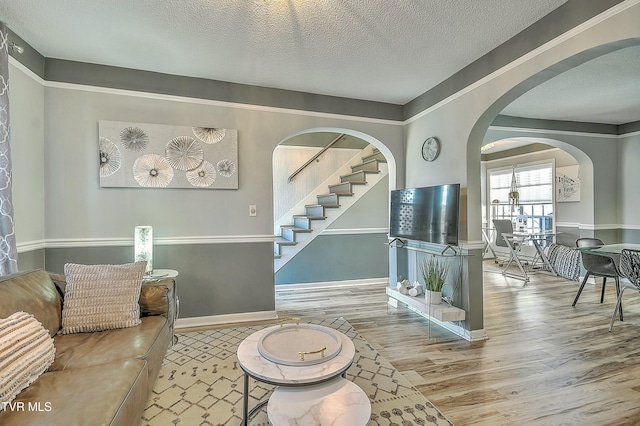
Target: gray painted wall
(599,185)
(80,215)
(565,214)
(77,209)
(629,177)
(370,211)
(31,259)
(338,258)
(214,279)
(152,82)
(350,255)
(461,123)
(28,160)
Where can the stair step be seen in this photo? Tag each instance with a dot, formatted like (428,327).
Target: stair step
(303,221)
(278,243)
(316,210)
(329,200)
(289,232)
(357,178)
(370,166)
(376,155)
(341,189)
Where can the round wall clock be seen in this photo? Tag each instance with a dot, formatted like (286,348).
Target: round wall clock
(431,149)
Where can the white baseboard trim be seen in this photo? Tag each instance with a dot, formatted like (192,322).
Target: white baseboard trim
(331,284)
(592,280)
(225,319)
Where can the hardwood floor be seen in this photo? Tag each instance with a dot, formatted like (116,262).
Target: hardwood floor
(544,362)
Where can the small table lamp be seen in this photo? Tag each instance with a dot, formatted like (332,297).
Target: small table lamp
(143,246)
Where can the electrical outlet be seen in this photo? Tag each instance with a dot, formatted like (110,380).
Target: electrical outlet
(253,211)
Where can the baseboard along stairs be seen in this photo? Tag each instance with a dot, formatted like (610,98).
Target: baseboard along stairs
(362,173)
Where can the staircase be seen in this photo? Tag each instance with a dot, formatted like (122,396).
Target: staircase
(361,175)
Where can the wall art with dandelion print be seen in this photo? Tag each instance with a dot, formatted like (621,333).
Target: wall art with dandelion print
(109,157)
(202,176)
(152,171)
(134,139)
(145,155)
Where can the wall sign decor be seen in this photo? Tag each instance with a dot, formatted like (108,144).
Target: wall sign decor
(141,155)
(567,184)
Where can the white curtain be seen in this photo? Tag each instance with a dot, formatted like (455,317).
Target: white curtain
(8,251)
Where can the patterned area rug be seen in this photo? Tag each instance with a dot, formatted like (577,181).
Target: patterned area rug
(200,383)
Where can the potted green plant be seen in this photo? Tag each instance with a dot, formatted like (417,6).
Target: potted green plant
(514,199)
(434,272)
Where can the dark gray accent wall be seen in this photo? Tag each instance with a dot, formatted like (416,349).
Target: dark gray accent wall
(609,236)
(567,126)
(472,295)
(527,149)
(29,260)
(30,58)
(561,20)
(567,16)
(200,88)
(629,236)
(568,235)
(214,279)
(624,129)
(338,258)
(322,139)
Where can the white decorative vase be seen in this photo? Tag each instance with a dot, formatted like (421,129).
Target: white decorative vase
(433,297)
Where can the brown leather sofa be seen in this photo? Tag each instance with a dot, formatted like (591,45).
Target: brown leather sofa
(101,378)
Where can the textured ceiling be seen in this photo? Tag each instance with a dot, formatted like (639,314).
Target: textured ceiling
(603,90)
(364,49)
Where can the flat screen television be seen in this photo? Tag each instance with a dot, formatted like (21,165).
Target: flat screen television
(428,214)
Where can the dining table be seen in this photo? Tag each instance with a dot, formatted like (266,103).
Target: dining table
(516,240)
(611,249)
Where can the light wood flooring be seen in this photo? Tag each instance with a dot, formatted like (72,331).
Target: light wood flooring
(544,362)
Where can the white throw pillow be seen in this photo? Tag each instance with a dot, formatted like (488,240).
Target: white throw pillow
(26,351)
(101,297)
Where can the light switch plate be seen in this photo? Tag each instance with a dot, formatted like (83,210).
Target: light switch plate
(253,211)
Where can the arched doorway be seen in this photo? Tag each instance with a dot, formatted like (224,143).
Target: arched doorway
(326,235)
(541,162)
(581,146)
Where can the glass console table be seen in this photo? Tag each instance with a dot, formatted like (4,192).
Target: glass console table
(408,256)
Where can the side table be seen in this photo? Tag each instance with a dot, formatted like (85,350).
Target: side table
(158,274)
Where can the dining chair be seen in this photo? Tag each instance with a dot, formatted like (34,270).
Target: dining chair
(504,226)
(630,269)
(597,265)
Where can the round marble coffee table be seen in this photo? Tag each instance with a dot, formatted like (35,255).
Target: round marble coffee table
(287,376)
(338,402)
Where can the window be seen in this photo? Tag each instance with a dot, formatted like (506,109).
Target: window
(535,186)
